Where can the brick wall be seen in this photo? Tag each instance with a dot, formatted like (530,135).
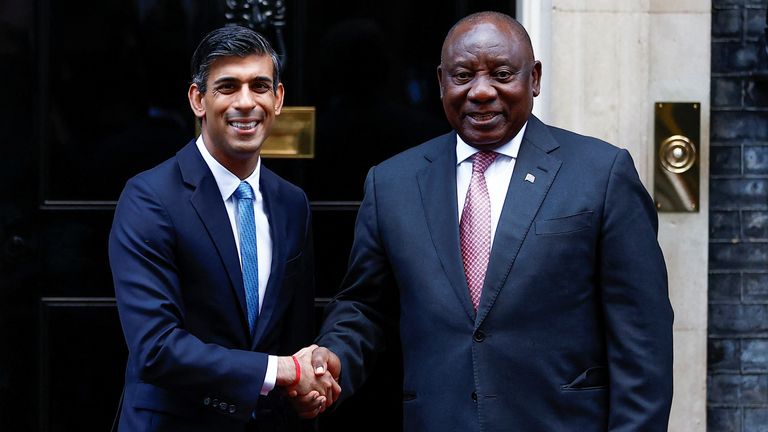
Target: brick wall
(737,393)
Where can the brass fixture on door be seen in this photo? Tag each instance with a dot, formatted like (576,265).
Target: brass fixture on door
(677,158)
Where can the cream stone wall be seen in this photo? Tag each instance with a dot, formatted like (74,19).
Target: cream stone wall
(605,64)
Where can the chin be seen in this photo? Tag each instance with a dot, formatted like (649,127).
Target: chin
(484,142)
(249,142)
(246,149)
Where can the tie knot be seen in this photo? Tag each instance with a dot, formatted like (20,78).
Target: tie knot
(482,160)
(244,191)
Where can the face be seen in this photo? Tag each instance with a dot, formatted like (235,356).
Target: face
(488,79)
(237,110)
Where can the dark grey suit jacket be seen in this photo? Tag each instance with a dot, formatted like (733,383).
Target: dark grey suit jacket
(574,326)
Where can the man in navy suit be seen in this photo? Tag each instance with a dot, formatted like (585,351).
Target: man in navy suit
(520,261)
(212,310)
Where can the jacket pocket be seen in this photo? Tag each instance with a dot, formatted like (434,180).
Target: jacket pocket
(564,225)
(593,378)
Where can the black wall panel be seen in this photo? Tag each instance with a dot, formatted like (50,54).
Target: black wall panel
(94,92)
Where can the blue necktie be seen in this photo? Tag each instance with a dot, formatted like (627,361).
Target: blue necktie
(250,261)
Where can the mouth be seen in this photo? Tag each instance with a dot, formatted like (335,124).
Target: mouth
(243,125)
(482,117)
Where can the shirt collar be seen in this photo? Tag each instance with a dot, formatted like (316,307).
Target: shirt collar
(464,151)
(225,180)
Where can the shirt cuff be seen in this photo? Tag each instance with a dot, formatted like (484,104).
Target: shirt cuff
(270,377)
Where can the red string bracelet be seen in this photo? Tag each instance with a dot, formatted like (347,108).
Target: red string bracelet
(298,372)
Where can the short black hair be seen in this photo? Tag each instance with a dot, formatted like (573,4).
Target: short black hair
(230,41)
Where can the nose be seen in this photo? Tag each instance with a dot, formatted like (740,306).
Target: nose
(245,99)
(482,90)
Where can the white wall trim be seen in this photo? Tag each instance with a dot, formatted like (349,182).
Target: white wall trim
(604,65)
(536,17)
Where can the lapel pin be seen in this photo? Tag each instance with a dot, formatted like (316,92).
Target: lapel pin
(530,178)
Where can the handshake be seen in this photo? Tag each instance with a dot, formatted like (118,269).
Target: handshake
(310,379)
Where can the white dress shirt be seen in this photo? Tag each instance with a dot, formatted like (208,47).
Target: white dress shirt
(228,183)
(497,176)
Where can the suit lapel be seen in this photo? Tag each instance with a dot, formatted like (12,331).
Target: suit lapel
(521,204)
(207,202)
(437,184)
(277,295)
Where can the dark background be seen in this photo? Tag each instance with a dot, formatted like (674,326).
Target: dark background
(95,91)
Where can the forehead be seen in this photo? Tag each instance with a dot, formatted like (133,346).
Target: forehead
(242,68)
(485,38)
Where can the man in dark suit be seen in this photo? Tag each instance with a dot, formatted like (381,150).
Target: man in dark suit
(211,255)
(520,260)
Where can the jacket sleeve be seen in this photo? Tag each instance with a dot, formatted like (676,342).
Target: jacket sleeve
(359,318)
(148,290)
(635,301)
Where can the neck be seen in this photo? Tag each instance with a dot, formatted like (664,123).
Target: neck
(243,168)
(240,164)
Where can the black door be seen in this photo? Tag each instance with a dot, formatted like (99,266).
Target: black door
(95,92)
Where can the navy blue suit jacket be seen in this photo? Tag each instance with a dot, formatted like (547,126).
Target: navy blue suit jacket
(192,364)
(574,326)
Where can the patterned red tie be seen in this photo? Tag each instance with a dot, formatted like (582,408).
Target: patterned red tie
(475,226)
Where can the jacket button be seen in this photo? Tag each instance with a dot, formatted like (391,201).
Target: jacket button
(474,396)
(215,402)
(232,409)
(479,336)
(207,401)
(223,406)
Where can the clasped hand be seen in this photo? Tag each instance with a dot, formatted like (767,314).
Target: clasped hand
(317,387)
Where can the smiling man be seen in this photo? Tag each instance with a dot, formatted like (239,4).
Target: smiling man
(520,261)
(211,257)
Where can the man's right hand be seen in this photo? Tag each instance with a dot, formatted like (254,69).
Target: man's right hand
(324,363)
(318,388)
(324,360)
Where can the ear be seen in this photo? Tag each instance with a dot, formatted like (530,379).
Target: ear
(196,101)
(279,97)
(440,79)
(536,78)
